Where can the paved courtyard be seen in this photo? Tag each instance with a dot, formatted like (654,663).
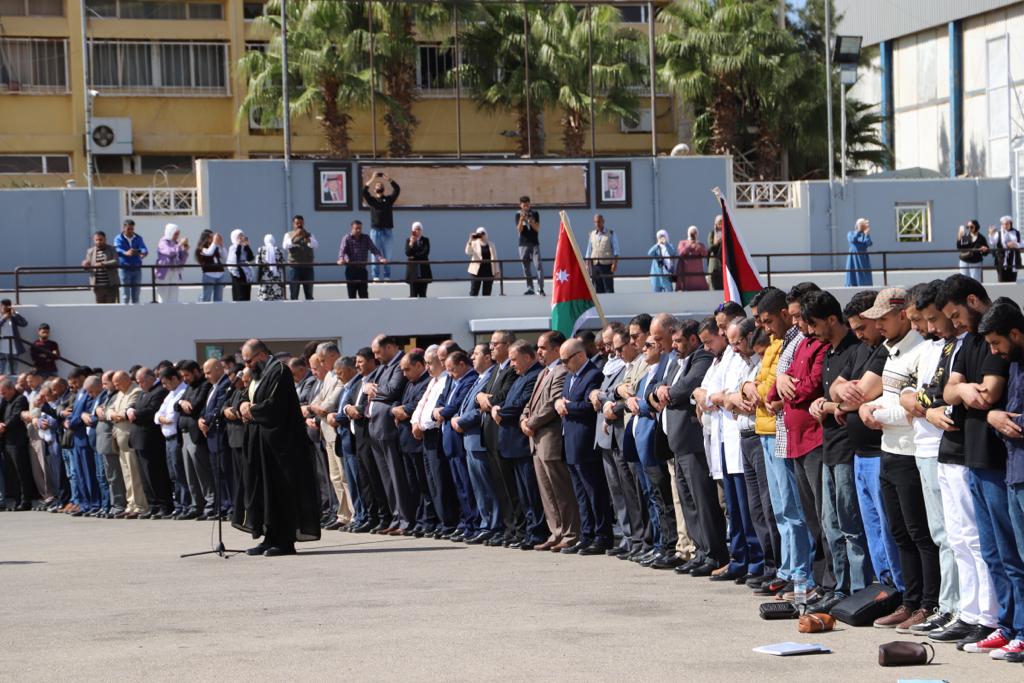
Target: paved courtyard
(111,600)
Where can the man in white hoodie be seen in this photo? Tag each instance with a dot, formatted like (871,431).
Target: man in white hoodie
(901,481)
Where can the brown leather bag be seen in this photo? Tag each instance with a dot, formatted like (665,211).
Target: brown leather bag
(818,622)
(904,653)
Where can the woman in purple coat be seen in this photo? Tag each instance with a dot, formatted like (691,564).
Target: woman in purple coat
(170,255)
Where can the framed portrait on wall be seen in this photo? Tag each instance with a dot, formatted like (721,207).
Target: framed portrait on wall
(613,185)
(332,182)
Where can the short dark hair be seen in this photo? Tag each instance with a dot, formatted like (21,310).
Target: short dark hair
(772,301)
(299,217)
(5,302)
(100,233)
(860,302)
(731,309)
(169,372)
(747,327)
(524,347)
(642,320)
(956,288)
(135,368)
(800,290)
(923,295)
(759,338)
(187,366)
(298,362)
(525,199)
(416,357)
(756,301)
(387,340)
(689,327)
(1000,319)
(458,357)
(555,337)
(820,305)
(356,222)
(366,353)
(710,325)
(586,336)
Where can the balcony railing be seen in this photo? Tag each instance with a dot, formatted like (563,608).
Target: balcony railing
(765,195)
(160,202)
(34,65)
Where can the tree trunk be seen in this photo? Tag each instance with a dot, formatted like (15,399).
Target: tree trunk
(533,126)
(335,124)
(726,116)
(574,128)
(399,77)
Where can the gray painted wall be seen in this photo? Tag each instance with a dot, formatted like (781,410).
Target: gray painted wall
(879,20)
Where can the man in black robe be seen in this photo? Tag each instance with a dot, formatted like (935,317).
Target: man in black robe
(278,498)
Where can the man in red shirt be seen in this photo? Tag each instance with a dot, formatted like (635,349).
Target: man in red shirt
(45,353)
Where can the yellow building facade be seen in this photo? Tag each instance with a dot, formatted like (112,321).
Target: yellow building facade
(167,68)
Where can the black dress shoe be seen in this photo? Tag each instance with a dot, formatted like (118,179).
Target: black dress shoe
(689,566)
(704,569)
(379,528)
(595,548)
(574,549)
(952,633)
(362,528)
(258,549)
(616,551)
(742,581)
(419,533)
(629,555)
(667,561)
(494,542)
(641,556)
(825,604)
(279,550)
(457,537)
(192,514)
(527,545)
(332,526)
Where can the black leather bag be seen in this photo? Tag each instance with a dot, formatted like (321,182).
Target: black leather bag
(905,653)
(864,606)
(778,610)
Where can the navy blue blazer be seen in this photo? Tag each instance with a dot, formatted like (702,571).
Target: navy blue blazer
(450,404)
(512,443)
(390,388)
(579,426)
(471,417)
(410,397)
(214,406)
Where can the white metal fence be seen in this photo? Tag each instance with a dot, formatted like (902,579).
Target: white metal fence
(762,195)
(153,201)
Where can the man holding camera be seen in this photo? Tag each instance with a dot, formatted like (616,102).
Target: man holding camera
(382,221)
(10,340)
(528,227)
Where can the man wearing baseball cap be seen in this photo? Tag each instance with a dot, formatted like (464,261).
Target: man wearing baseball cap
(900,478)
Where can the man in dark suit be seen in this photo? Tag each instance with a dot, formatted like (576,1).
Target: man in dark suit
(385,392)
(440,488)
(579,424)
(14,438)
(468,423)
(502,471)
(514,445)
(198,470)
(463,378)
(150,447)
(698,495)
(211,424)
(412,477)
(371,488)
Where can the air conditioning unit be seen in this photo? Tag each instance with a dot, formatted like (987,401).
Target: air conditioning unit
(255,114)
(111,136)
(642,126)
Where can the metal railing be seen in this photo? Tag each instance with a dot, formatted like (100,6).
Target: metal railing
(141,67)
(771,266)
(154,201)
(762,195)
(34,65)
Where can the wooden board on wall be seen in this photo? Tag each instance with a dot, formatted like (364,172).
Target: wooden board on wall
(492,185)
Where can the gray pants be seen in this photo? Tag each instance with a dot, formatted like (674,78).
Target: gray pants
(199,474)
(759,500)
(115,480)
(530,256)
(843,529)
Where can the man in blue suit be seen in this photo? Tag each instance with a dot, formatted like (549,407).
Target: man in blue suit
(414,369)
(211,424)
(514,446)
(82,461)
(345,446)
(469,423)
(579,426)
(463,377)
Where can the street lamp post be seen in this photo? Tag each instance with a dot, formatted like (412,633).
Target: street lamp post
(286,114)
(89,95)
(847,56)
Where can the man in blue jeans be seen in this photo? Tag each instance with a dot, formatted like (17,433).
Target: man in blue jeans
(382,221)
(131,249)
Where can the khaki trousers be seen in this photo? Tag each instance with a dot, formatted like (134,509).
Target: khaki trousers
(132,470)
(560,507)
(37,453)
(685,544)
(337,476)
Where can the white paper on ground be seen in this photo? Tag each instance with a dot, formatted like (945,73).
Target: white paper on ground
(786,649)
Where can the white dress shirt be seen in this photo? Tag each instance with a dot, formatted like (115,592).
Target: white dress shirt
(167,410)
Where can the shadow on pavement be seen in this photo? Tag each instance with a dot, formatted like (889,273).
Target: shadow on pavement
(345,551)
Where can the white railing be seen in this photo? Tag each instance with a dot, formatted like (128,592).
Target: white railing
(765,195)
(152,201)
(141,67)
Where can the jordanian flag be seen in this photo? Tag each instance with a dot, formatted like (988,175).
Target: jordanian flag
(740,278)
(572,294)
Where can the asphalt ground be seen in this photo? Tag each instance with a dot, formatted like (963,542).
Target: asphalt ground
(89,599)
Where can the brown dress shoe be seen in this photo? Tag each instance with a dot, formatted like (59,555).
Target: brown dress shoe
(132,515)
(918,617)
(893,620)
(396,532)
(546,545)
(561,546)
(73,509)
(721,570)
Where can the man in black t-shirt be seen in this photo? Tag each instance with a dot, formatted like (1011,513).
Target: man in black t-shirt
(528,227)
(840,516)
(977,382)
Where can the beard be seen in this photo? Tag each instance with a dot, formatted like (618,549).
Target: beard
(258,369)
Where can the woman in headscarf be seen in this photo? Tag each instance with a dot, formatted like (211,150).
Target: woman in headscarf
(483,262)
(238,260)
(170,255)
(269,273)
(690,266)
(210,257)
(661,264)
(417,252)
(973,247)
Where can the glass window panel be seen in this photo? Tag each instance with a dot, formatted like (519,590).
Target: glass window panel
(48,63)
(15,62)
(12,8)
(171,163)
(107,163)
(251,10)
(47,8)
(58,164)
(175,66)
(136,62)
(104,64)
(210,66)
(21,164)
(205,10)
(103,8)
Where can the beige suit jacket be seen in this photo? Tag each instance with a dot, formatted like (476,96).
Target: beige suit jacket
(475,255)
(540,416)
(327,397)
(122,402)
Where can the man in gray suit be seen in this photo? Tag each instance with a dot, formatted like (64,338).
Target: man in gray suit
(698,495)
(542,424)
(385,394)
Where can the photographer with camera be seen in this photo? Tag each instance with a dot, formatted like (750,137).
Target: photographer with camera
(382,220)
(528,227)
(483,266)
(10,340)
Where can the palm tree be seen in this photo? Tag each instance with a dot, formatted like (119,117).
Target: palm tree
(570,34)
(327,68)
(494,67)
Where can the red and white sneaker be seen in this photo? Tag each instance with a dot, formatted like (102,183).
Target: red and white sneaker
(1015,646)
(995,641)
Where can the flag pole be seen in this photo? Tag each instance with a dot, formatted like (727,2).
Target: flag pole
(583,269)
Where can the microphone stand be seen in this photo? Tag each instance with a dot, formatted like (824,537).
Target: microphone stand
(218,549)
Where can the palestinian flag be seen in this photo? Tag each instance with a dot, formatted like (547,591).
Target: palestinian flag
(740,278)
(572,294)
